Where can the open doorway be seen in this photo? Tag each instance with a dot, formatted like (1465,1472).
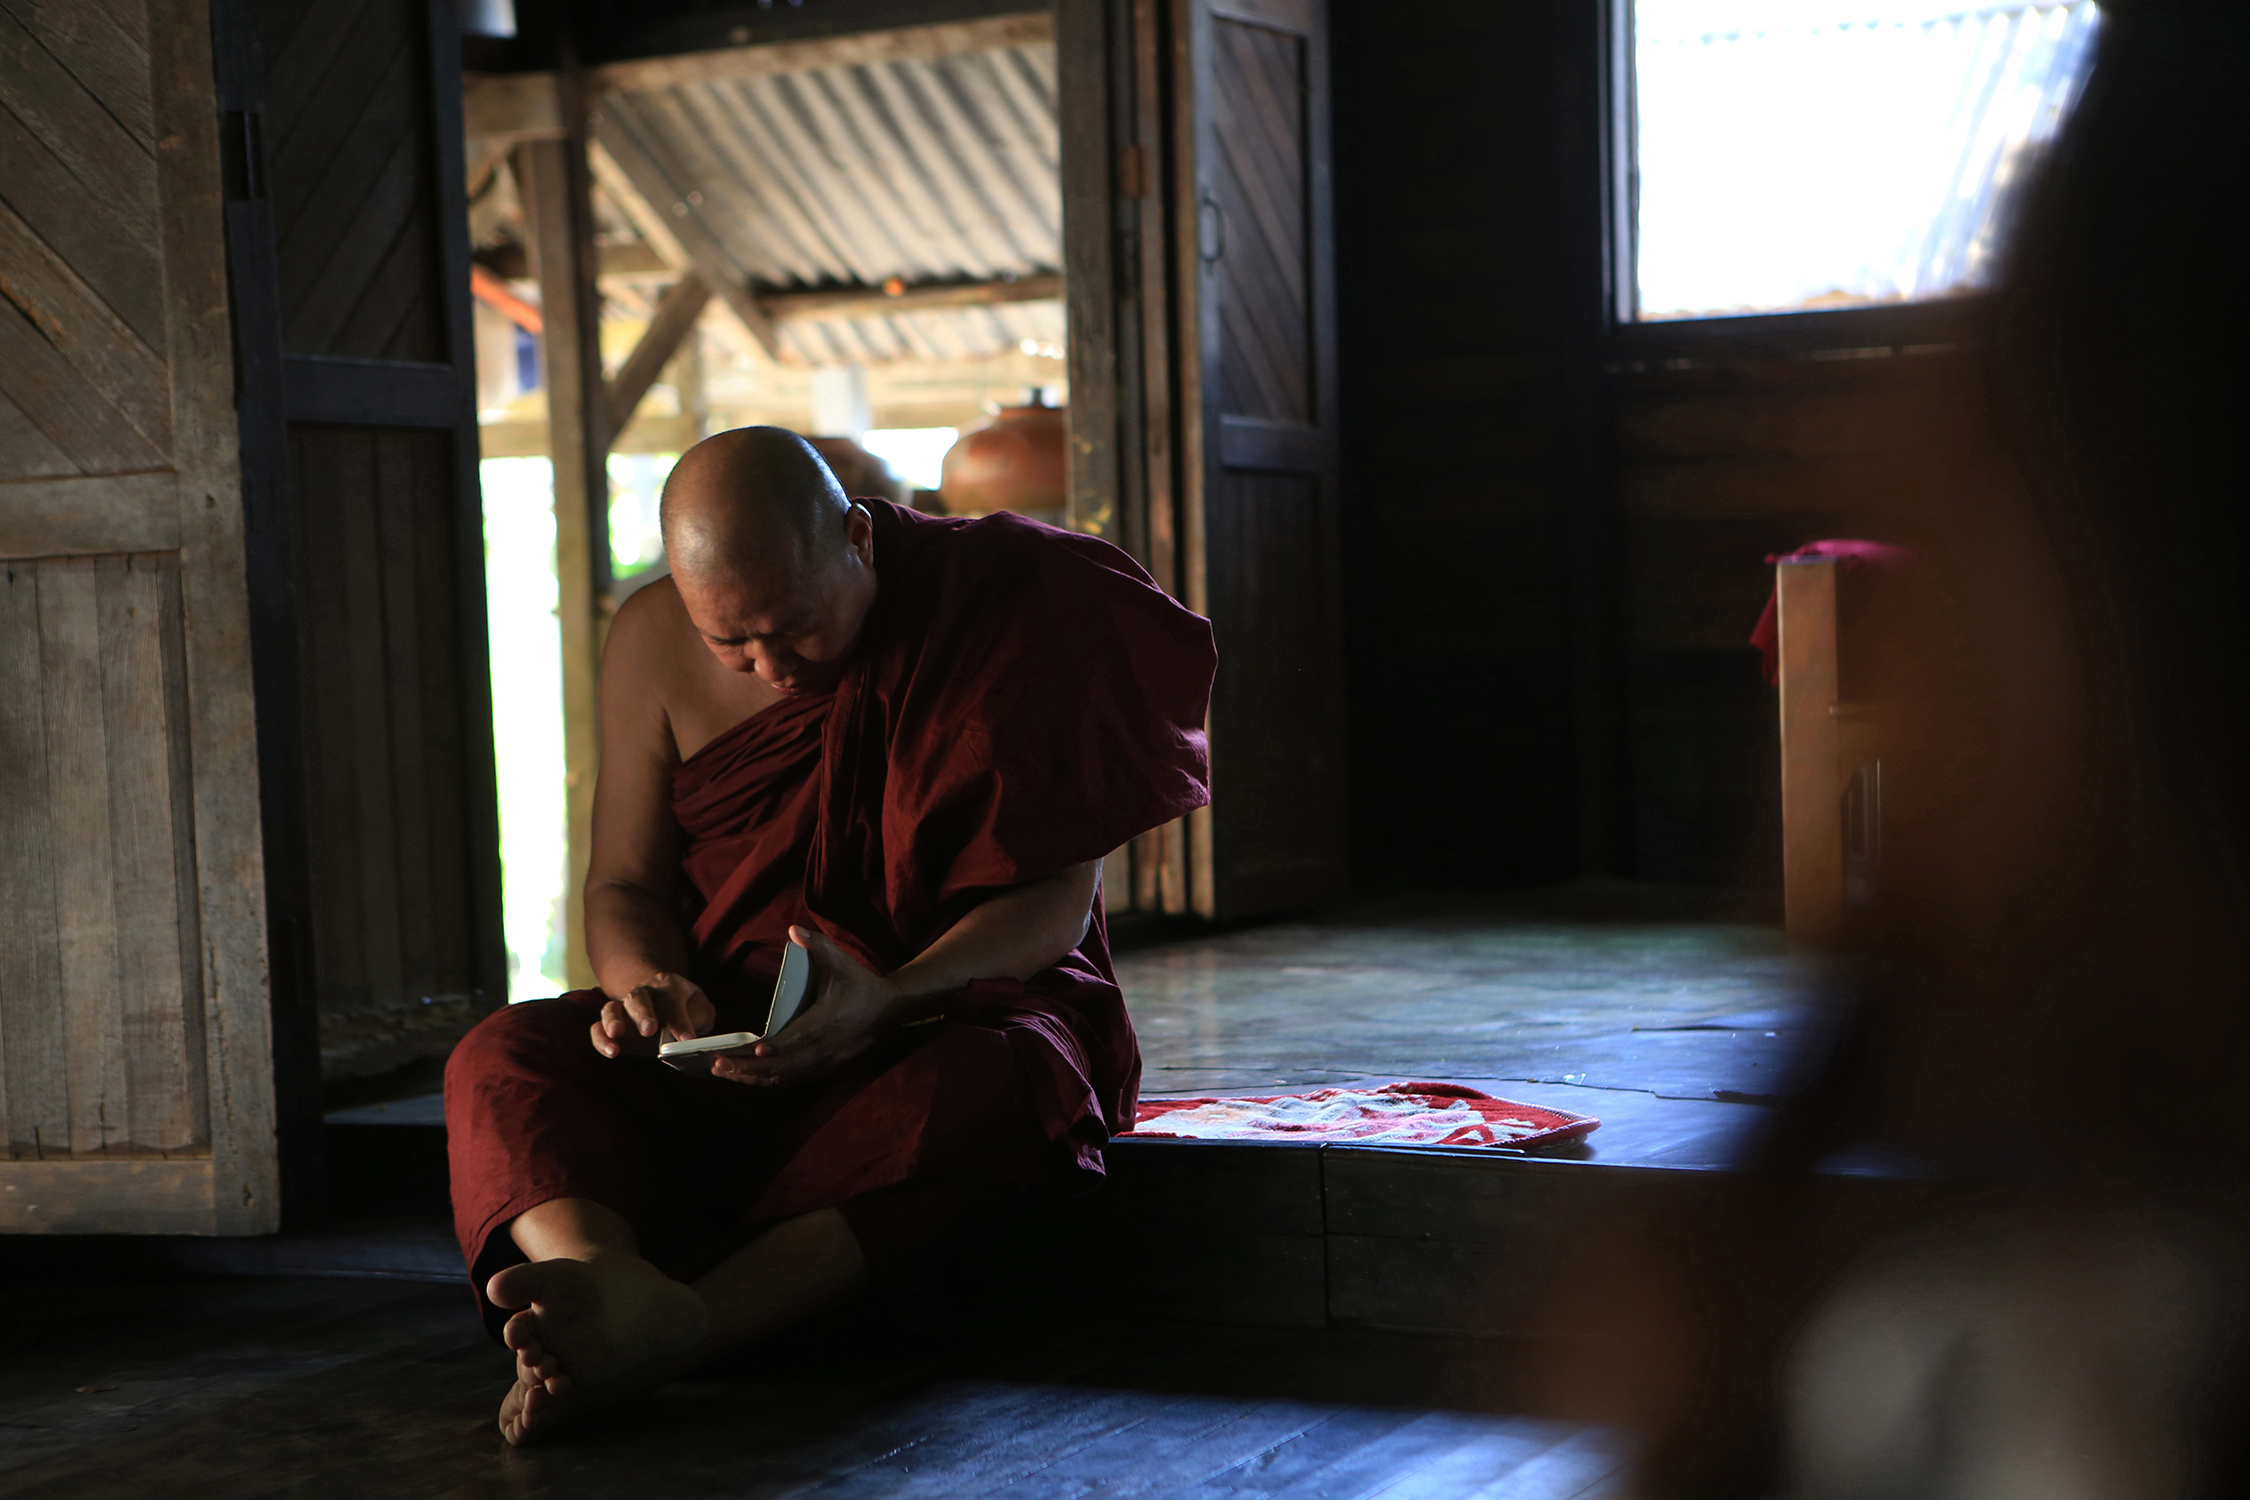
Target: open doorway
(860,243)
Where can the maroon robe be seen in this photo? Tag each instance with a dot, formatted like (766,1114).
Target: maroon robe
(1020,700)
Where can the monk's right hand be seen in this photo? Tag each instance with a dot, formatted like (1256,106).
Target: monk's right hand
(663,1007)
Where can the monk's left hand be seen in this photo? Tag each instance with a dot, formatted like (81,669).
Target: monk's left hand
(853,1007)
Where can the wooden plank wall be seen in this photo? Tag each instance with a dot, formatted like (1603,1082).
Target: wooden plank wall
(1468,178)
(1555,535)
(353,161)
(385,763)
(101,997)
(1720,465)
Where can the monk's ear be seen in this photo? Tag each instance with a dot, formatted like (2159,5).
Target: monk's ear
(859,532)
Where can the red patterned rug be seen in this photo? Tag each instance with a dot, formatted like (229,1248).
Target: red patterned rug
(1394,1114)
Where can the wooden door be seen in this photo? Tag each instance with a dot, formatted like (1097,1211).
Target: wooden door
(1258,446)
(136,1076)
(348,237)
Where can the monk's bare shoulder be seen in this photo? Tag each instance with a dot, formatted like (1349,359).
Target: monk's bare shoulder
(657,656)
(648,638)
(651,621)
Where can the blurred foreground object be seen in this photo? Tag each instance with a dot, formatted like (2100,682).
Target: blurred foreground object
(2038,1293)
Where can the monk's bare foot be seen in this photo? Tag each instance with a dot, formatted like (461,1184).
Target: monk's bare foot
(591,1333)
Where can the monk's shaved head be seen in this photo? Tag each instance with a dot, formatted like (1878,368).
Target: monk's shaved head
(775,567)
(752,503)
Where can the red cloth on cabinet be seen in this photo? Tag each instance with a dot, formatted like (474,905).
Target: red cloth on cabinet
(1766,634)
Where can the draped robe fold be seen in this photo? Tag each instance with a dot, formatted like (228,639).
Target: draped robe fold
(1020,700)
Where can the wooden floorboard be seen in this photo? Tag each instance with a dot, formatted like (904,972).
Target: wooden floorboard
(258,1390)
(1354,1452)
(1171,1448)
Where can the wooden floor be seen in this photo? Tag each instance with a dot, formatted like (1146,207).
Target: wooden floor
(1291,1298)
(1588,987)
(267,1388)
(1673,1027)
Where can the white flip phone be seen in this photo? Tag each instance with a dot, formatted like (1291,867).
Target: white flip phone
(789,987)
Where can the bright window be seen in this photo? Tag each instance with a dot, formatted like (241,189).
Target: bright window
(636,490)
(1797,154)
(915,454)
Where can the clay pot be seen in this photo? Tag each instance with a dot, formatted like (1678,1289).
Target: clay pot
(1017,461)
(861,473)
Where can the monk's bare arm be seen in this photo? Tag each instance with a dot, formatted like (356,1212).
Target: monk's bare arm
(1011,936)
(632,937)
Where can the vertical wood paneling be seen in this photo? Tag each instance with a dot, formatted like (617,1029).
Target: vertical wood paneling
(195,1073)
(385,771)
(398,516)
(32,1066)
(101,1003)
(364,679)
(85,895)
(153,996)
(441,754)
(1269,565)
(331,744)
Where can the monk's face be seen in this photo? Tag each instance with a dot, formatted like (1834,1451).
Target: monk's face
(793,626)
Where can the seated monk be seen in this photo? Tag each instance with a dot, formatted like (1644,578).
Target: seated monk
(905,743)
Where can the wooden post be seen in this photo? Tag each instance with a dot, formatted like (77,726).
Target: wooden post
(1812,768)
(558,219)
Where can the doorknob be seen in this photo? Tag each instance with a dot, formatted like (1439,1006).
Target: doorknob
(1210,229)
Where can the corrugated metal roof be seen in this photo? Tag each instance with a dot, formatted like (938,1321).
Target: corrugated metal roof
(924,170)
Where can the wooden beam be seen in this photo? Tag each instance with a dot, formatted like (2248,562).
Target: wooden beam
(559,226)
(639,188)
(625,262)
(646,433)
(861,49)
(77,515)
(518,106)
(674,322)
(874,302)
